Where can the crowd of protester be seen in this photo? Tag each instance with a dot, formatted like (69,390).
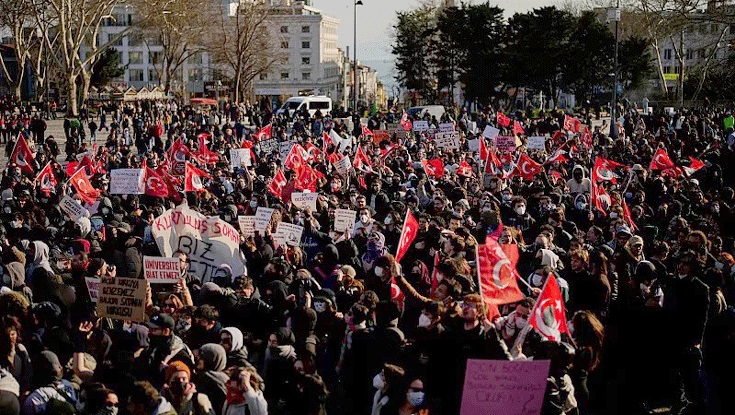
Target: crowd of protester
(336,325)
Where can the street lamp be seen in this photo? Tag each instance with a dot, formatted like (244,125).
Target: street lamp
(354,58)
(613,14)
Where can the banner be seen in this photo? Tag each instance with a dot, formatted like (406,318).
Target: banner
(263,218)
(284,148)
(537,142)
(474,145)
(127,182)
(72,208)
(122,299)
(491,132)
(504,387)
(505,143)
(239,157)
(343,166)
(344,220)
(93,286)
(209,242)
(303,200)
(380,135)
(161,270)
(247,225)
(446,127)
(288,234)
(447,141)
(420,126)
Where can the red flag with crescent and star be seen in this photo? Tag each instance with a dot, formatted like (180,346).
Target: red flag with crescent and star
(408,234)
(572,124)
(433,167)
(84,187)
(405,122)
(661,161)
(503,120)
(46,179)
(548,316)
(366,131)
(193,178)
(599,197)
(497,273)
(603,170)
(277,184)
(154,184)
(22,155)
(264,133)
(527,167)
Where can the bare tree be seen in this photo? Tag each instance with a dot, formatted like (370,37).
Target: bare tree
(15,15)
(243,45)
(177,27)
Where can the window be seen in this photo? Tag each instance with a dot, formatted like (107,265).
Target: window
(305,29)
(195,74)
(284,29)
(264,77)
(154,57)
(667,54)
(689,54)
(284,45)
(701,54)
(677,69)
(114,39)
(135,39)
(197,58)
(732,29)
(305,45)
(284,75)
(305,76)
(667,69)
(136,75)
(305,60)
(153,75)
(135,57)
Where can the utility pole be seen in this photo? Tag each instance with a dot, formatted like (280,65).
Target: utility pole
(614,14)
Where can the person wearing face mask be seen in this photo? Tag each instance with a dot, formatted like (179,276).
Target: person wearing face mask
(415,400)
(390,392)
(364,226)
(330,332)
(519,217)
(578,183)
(511,325)
(183,394)
(164,347)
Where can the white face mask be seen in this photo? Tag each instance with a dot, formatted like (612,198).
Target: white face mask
(613,215)
(364,218)
(537,280)
(507,198)
(378,271)
(227,218)
(424,320)
(581,205)
(645,289)
(15,224)
(521,322)
(682,276)
(521,210)
(378,382)
(253,204)
(388,220)
(416,398)
(320,307)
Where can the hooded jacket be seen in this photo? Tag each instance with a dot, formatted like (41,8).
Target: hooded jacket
(583,186)
(17,276)
(211,381)
(238,355)
(40,260)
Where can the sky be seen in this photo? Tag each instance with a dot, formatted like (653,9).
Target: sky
(375,18)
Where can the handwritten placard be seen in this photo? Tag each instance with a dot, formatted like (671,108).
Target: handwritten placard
(263,218)
(536,142)
(161,270)
(93,286)
(490,132)
(343,166)
(247,225)
(504,387)
(239,158)
(420,125)
(269,145)
(288,234)
(344,220)
(72,208)
(505,143)
(127,181)
(122,299)
(446,127)
(303,200)
(474,145)
(447,141)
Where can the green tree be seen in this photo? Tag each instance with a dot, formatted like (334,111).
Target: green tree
(449,48)
(106,68)
(412,47)
(485,57)
(538,49)
(635,61)
(589,58)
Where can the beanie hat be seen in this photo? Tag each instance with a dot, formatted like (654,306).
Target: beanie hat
(177,366)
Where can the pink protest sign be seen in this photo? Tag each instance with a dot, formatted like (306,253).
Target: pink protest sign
(501,387)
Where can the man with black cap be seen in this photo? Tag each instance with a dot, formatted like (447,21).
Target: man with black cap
(56,395)
(165,347)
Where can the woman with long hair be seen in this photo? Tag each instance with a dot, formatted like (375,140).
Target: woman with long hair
(13,355)
(589,336)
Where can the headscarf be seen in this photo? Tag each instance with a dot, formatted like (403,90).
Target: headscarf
(214,357)
(237,337)
(40,258)
(375,249)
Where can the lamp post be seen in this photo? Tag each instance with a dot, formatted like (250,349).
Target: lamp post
(614,15)
(354,57)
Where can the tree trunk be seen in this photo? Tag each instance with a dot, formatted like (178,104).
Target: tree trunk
(238,89)
(86,84)
(18,90)
(71,96)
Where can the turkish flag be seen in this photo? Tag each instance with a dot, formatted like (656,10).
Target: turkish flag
(205,154)
(264,133)
(600,199)
(603,170)
(366,131)
(433,167)
(178,151)
(497,274)
(408,234)
(405,122)
(559,155)
(84,187)
(694,166)
(306,178)
(587,140)
(173,182)
(464,169)
(483,148)
(518,128)
(22,155)
(277,184)
(46,179)
(193,179)
(661,161)
(572,124)
(361,159)
(434,278)
(295,158)
(548,316)
(312,152)
(154,184)
(527,167)
(503,120)
(628,217)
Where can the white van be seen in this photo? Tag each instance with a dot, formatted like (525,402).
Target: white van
(433,111)
(312,103)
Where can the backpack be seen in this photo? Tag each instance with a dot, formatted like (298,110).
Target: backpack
(62,406)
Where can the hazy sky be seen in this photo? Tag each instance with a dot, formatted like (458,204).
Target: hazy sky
(375,18)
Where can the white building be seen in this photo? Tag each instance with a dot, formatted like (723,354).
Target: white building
(308,38)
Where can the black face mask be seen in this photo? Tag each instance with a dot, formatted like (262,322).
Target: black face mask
(158,341)
(177,388)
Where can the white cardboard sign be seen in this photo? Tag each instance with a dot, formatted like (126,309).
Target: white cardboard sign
(161,270)
(288,234)
(240,157)
(127,181)
(263,218)
(344,220)
(302,200)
